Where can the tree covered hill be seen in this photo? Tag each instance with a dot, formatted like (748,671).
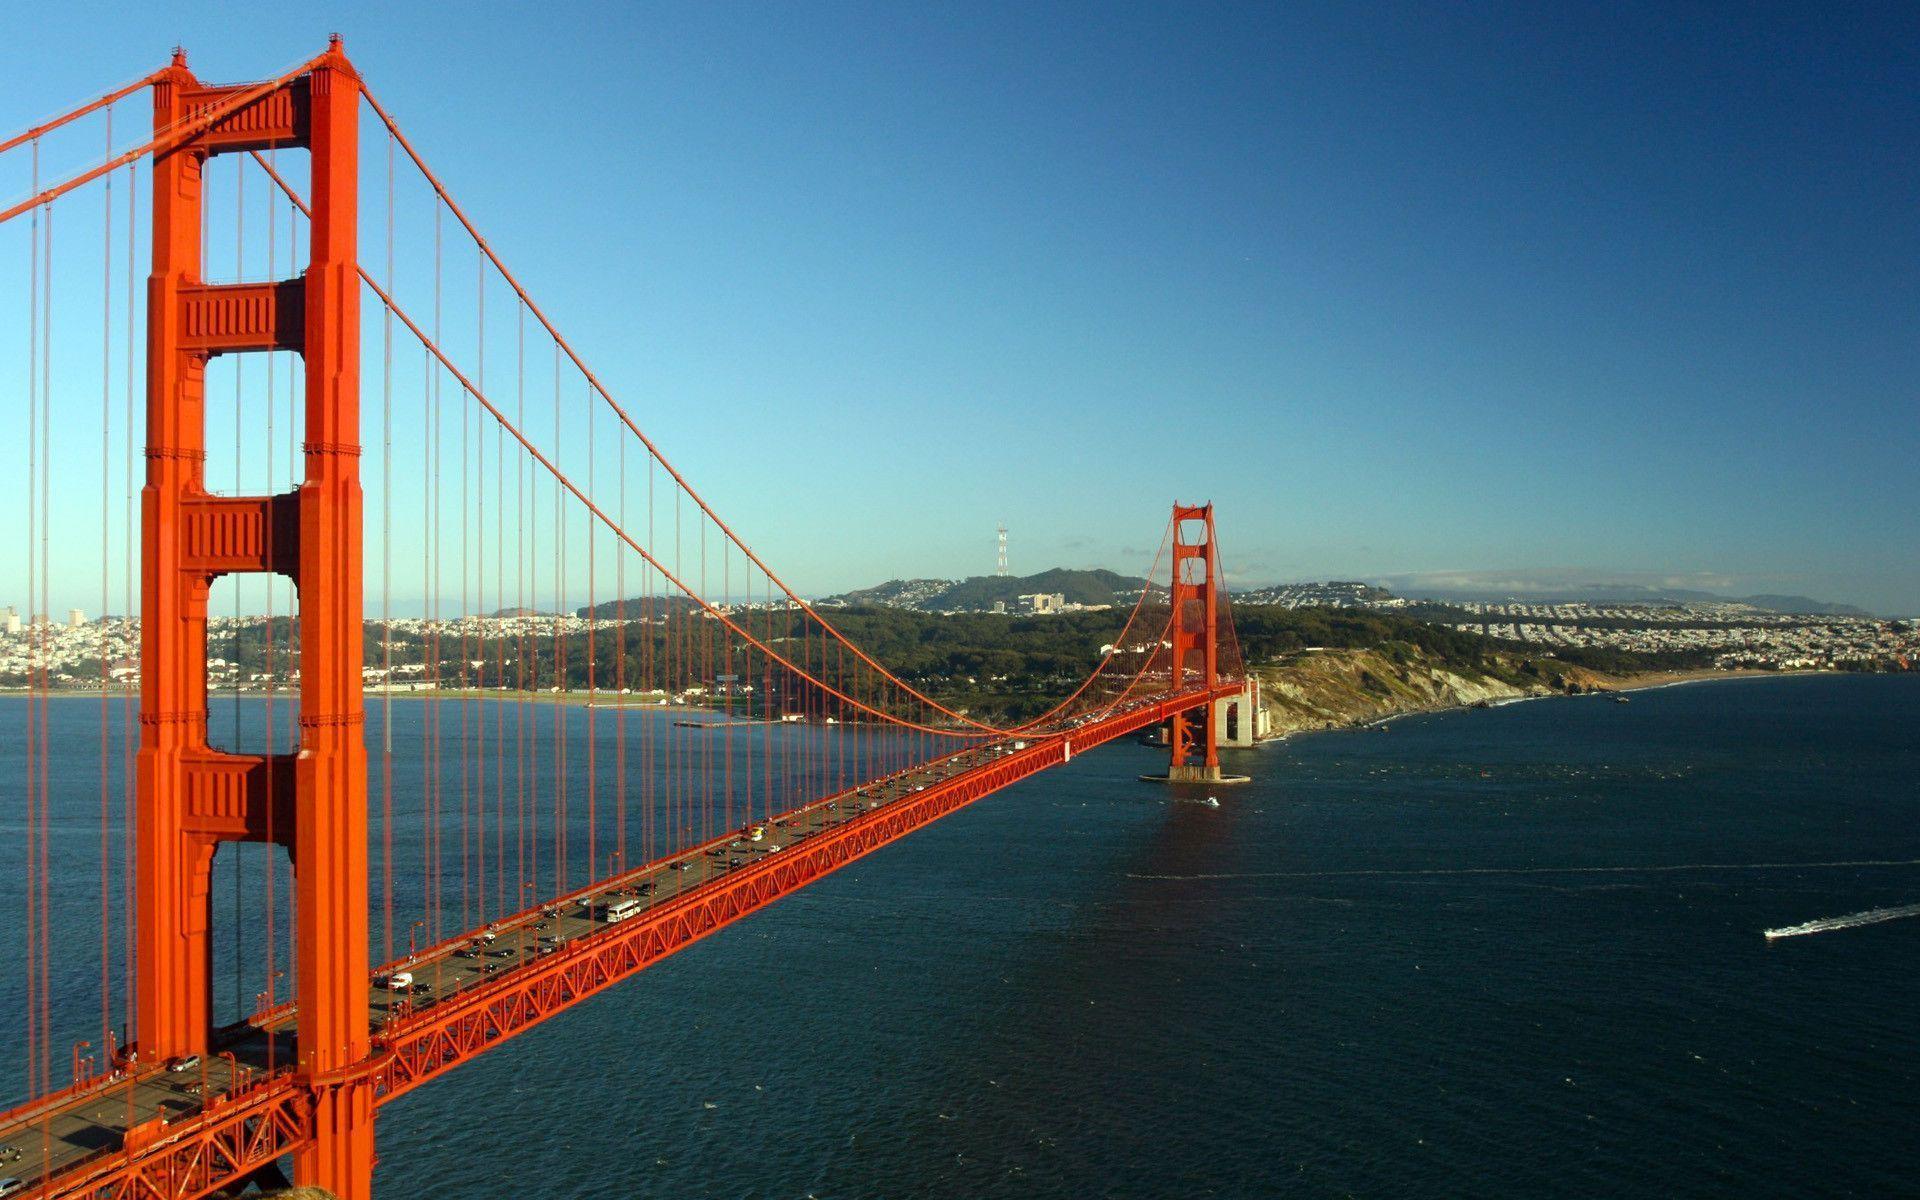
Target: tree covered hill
(981,592)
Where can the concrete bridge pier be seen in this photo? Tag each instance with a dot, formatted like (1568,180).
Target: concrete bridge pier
(1237,721)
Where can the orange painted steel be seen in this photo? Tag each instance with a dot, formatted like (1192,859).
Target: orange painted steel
(46,127)
(192,797)
(593,381)
(446,1035)
(171,137)
(220,1147)
(600,515)
(237,1135)
(1194,631)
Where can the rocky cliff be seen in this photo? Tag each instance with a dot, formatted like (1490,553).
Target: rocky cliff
(1329,689)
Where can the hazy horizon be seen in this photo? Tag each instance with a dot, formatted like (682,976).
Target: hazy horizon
(1409,290)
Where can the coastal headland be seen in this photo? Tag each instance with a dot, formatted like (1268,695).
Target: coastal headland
(1348,687)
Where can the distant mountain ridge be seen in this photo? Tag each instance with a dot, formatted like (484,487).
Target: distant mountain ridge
(1632,593)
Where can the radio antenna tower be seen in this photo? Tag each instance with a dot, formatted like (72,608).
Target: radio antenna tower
(1003,550)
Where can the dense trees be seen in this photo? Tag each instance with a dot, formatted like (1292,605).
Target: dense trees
(995,665)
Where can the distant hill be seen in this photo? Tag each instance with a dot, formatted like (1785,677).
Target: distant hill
(635,607)
(1801,604)
(979,594)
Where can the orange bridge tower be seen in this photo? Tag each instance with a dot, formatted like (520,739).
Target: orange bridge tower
(1194,738)
(191,797)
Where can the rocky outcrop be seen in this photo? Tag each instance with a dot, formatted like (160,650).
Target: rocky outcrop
(1330,689)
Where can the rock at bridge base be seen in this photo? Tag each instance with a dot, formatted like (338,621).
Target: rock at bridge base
(1196,774)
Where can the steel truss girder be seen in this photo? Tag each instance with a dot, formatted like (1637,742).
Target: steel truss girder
(233,1137)
(218,1147)
(431,1043)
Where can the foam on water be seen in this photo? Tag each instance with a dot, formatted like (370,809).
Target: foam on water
(1872,916)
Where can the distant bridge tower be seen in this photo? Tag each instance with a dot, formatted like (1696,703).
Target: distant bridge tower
(1194,753)
(191,797)
(1003,550)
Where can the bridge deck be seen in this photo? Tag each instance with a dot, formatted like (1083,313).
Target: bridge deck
(64,1145)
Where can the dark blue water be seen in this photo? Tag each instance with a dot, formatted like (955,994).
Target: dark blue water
(457,854)
(1367,973)
(1508,953)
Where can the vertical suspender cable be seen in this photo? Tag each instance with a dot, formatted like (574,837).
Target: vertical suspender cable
(620,667)
(479,603)
(106,583)
(705,677)
(239,374)
(559,652)
(726,710)
(271,849)
(36,651)
(500,676)
(530,652)
(593,859)
(649,664)
(677,647)
(520,610)
(386,588)
(466,650)
(46,608)
(433,603)
(129,716)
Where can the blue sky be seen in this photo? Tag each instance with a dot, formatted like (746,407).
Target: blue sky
(1625,292)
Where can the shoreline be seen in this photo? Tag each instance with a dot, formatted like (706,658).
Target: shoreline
(1619,685)
(1653,680)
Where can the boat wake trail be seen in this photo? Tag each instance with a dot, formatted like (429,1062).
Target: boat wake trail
(1663,868)
(1872,916)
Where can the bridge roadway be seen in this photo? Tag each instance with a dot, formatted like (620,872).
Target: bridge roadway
(53,1140)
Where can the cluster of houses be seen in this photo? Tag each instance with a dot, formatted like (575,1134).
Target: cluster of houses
(1735,635)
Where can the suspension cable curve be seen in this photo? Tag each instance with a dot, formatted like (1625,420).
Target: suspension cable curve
(626,419)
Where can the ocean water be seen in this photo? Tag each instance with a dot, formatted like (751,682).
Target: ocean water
(1505,953)
(1502,953)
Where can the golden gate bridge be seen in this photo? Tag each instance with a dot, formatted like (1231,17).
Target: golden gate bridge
(420,888)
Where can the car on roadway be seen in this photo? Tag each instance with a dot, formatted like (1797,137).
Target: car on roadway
(12,1186)
(186,1062)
